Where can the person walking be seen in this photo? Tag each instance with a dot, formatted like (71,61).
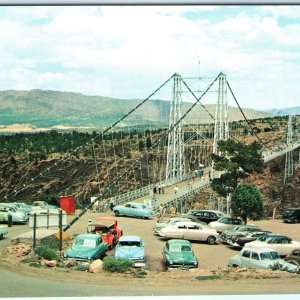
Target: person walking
(176,190)
(112,204)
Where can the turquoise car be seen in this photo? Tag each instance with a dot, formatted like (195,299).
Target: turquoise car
(131,247)
(133,209)
(87,247)
(179,254)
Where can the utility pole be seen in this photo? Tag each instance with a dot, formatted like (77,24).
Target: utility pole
(175,168)
(289,167)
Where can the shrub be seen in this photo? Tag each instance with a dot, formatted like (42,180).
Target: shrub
(46,252)
(120,265)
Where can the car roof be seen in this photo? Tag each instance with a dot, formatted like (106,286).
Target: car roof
(276,235)
(130,238)
(177,241)
(88,236)
(187,223)
(259,249)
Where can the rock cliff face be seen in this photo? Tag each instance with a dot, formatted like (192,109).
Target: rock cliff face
(27,179)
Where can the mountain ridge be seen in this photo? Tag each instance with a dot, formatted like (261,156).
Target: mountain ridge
(49,109)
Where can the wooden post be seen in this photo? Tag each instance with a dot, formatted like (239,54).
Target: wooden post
(60,230)
(34,231)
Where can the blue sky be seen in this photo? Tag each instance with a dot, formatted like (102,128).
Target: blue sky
(127,52)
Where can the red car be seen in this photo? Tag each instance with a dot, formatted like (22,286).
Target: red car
(108,229)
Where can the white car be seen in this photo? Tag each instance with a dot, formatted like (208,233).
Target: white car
(281,243)
(260,258)
(225,223)
(190,231)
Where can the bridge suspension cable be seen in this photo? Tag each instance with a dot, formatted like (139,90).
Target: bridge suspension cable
(136,162)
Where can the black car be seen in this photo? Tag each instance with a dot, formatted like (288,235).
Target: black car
(291,215)
(239,240)
(206,216)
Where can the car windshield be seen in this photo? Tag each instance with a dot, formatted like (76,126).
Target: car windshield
(180,248)
(85,243)
(144,206)
(269,255)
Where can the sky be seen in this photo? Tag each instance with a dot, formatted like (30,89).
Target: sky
(128,51)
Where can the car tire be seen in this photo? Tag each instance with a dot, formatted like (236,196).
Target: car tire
(211,240)
(117,213)
(293,262)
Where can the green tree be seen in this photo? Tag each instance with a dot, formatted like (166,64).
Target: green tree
(246,202)
(237,160)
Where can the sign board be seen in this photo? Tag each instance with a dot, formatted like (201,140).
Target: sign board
(47,220)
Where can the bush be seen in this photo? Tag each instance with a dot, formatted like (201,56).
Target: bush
(120,265)
(46,252)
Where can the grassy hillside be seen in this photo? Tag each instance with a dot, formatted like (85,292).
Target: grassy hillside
(45,109)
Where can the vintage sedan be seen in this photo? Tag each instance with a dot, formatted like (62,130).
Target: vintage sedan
(190,231)
(206,216)
(260,258)
(160,225)
(87,247)
(133,209)
(107,228)
(294,257)
(17,216)
(131,247)
(225,223)
(281,243)
(179,254)
(23,207)
(239,240)
(229,233)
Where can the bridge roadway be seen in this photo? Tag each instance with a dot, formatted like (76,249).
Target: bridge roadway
(169,198)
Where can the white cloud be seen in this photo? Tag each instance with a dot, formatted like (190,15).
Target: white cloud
(129,51)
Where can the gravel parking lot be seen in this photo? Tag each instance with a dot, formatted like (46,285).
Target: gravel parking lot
(210,256)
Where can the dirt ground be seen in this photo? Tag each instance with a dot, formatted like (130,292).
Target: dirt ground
(212,261)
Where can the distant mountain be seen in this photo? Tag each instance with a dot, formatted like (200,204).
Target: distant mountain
(50,109)
(285,111)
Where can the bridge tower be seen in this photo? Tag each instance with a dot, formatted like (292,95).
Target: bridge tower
(221,116)
(175,168)
(289,167)
(221,130)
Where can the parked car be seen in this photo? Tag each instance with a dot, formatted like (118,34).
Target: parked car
(294,257)
(291,215)
(159,225)
(87,247)
(260,258)
(133,209)
(131,247)
(179,254)
(229,233)
(23,207)
(17,216)
(43,204)
(225,223)
(190,231)
(3,231)
(240,239)
(281,243)
(107,228)
(206,216)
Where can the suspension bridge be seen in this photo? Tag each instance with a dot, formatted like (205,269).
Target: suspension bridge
(160,143)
